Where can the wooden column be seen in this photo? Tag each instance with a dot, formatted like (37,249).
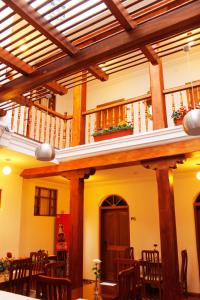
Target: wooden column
(157,96)
(167,219)
(79,105)
(76,223)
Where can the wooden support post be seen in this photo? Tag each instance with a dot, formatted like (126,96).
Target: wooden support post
(78,121)
(76,231)
(168,238)
(157,96)
(76,226)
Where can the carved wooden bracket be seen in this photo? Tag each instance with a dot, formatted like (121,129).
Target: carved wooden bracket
(2,113)
(84,173)
(163,163)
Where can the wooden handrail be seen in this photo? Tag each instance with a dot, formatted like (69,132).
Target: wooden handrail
(181,88)
(124,102)
(52,112)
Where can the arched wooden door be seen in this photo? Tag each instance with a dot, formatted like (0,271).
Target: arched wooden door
(115,234)
(197,225)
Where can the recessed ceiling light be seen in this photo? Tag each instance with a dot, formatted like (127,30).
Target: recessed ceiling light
(6,170)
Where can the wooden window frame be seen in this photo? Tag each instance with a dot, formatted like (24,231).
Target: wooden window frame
(52,201)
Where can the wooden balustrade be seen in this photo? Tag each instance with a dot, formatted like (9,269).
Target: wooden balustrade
(44,125)
(134,111)
(187,95)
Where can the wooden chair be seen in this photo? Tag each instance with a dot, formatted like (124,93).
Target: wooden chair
(151,271)
(53,288)
(55,269)
(20,272)
(39,259)
(125,263)
(127,281)
(184,264)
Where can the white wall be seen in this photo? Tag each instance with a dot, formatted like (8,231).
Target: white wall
(38,232)
(10,212)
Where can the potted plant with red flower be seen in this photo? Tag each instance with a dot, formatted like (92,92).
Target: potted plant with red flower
(179,114)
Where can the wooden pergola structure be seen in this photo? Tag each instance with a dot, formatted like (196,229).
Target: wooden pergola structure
(46,45)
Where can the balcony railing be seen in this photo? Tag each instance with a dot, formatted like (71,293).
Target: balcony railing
(42,125)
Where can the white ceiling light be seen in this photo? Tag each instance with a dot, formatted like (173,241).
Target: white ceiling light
(198,175)
(6,170)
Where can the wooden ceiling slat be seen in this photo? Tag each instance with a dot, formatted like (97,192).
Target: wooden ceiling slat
(64,21)
(35,19)
(22,67)
(96,71)
(7,17)
(65,11)
(121,14)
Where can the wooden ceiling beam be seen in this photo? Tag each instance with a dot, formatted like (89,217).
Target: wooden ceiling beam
(120,13)
(150,54)
(17,64)
(25,10)
(126,21)
(172,23)
(118,159)
(56,88)
(14,62)
(96,71)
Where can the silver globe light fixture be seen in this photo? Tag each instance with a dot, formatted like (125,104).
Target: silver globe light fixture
(191,122)
(45,152)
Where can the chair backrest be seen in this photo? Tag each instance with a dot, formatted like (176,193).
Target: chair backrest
(125,263)
(127,281)
(39,259)
(20,272)
(55,269)
(129,253)
(53,288)
(151,266)
(184,264)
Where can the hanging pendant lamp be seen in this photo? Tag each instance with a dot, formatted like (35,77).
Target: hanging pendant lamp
(191,121)
(45,151)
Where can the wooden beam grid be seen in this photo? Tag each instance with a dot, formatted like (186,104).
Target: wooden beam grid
(124,16)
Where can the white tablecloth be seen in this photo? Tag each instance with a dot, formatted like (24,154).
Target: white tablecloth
(12,296)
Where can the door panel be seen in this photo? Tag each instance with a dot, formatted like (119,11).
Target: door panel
(115,239)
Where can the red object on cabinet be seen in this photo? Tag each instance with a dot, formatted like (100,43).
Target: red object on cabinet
(62,232)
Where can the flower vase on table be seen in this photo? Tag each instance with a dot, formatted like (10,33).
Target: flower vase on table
(97,272)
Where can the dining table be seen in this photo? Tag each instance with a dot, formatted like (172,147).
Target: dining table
(11,296)
(106,290)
